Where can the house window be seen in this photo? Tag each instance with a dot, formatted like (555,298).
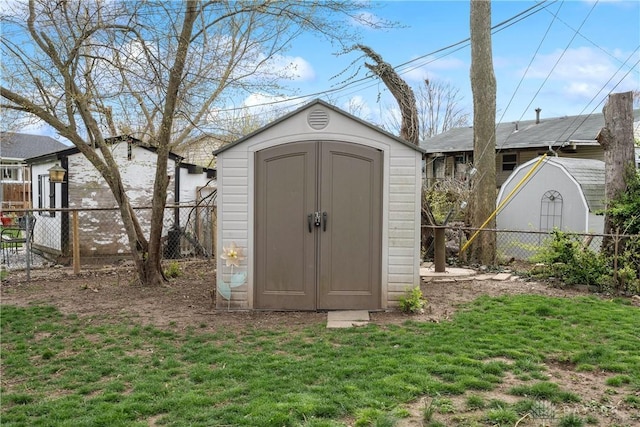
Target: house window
(9,174)
(46,195)
(509,162)
(551,211)
(439,168)
(462,164)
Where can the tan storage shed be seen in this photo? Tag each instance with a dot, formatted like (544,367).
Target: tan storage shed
(318,210)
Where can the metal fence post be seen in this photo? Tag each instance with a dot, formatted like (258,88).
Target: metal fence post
(76,242)
(27,243)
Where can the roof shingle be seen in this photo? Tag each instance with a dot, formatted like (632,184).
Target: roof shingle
(24,145)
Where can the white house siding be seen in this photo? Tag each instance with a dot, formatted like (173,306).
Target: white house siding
(402,167)
(190,185)
(46,232)
(88,189)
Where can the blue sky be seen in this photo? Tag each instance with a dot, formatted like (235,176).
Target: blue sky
(564,59)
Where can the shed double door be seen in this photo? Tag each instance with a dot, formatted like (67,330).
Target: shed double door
(318,227)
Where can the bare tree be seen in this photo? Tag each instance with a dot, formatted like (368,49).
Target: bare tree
(483,86)
(439,107)
(91,68)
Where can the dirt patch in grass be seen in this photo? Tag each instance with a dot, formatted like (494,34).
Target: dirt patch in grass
(110,294)
(186,300)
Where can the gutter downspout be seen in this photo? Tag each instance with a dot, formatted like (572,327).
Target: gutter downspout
(65,233)
(504,202)
(176,195)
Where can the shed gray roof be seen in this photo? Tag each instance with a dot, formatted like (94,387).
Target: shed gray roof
(23,145)
(589,174)
(556,131)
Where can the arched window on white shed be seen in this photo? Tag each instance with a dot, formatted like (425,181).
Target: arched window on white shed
(551,211)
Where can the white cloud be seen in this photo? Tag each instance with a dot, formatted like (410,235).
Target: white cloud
(261,99)
(581,72)
(433,68)
(292,67)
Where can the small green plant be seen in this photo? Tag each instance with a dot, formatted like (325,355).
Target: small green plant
(475,402)
(173,270)
(427,412)
(444,405)
(375,418)
(633,401)
(618,380)
(502,416)
(544,390)
(571,420)
(413,301)
(566,258)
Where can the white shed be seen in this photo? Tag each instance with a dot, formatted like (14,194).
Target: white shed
(561,193)
(318,210)
(85,188)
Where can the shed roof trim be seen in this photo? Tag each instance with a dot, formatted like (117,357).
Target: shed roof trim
(318,102)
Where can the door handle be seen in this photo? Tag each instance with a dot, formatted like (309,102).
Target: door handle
(310,222)
(324,221)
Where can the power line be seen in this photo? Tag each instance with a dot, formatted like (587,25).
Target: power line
(460,45)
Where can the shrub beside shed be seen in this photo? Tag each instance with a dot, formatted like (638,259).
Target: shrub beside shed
(318,210)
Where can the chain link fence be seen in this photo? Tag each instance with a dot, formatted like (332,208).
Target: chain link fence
(89,238)
(531,246)
(522,245)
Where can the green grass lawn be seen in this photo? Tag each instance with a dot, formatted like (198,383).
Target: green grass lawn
(68,371)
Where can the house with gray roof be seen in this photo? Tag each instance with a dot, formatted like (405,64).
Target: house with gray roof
(548,193)
(450,154)
(15,190)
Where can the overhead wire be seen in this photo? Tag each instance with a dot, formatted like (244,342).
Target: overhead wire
(462,43)
(498,149)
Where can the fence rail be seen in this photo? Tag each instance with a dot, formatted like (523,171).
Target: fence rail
(89,237)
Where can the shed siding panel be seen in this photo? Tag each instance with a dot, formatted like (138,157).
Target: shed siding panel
(236,181)
(400,251)
(401,269)
(403,232)
(233,215)
(402,197)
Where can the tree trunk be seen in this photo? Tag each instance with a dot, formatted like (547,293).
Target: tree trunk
(616,138)
(483,86)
